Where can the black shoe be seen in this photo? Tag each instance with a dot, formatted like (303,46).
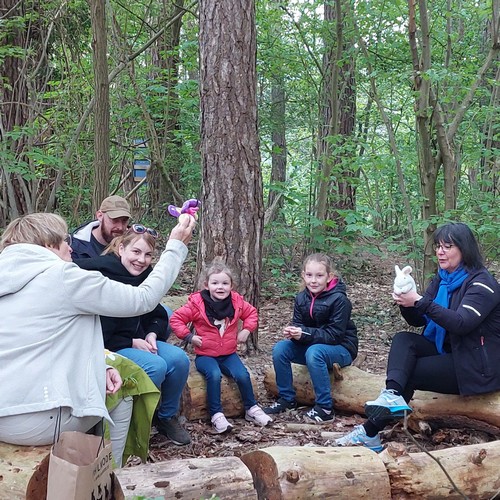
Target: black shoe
(320,416)
(171,428)
(280,406)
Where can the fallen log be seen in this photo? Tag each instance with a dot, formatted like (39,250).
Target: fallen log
(194,397)
(291,473)
(474,470)
(223,477)
(481,412)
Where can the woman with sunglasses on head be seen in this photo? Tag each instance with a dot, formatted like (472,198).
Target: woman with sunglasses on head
(53,371)
(459,348)
(142,339)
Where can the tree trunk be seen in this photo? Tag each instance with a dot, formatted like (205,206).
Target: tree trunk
(278,144)
(232,203)
(101,93)
(328,115)
(23,75)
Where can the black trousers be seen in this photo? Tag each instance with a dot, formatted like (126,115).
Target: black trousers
(415,364)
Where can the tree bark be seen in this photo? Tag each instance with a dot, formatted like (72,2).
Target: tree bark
(226,477)
(473,470)
(232,200)
(278,144)
(101,111)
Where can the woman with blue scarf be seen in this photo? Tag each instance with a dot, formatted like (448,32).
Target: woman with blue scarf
(459,348)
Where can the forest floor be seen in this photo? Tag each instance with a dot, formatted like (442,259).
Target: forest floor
(377,319)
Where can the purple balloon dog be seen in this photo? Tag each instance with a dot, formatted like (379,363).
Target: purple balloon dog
(188,207)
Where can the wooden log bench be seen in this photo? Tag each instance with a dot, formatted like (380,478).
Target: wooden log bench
(295,473)
(194,397)
(481,412)
(279,473)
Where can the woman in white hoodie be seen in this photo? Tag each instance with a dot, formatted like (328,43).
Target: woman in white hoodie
(52,366)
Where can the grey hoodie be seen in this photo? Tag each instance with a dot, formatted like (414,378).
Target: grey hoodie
(51,346)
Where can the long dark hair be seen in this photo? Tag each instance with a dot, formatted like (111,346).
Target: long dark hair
(460,235)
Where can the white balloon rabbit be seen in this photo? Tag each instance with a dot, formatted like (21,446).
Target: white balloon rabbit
(404,282)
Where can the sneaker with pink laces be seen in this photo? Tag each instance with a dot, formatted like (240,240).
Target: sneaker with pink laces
(220,423)
(257,415)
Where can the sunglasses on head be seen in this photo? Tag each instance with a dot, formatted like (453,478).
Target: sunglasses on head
(140,229)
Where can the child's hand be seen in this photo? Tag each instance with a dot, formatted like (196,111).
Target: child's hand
(243,336)
(292,332)
(196,341)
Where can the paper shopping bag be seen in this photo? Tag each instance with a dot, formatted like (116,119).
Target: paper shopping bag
(80,468)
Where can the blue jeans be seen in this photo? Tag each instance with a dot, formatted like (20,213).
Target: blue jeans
(169,370)
(212,369)
(318,358)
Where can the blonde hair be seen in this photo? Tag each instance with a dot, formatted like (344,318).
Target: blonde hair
(126,239)
(320,258)
(215,267)
(44,229)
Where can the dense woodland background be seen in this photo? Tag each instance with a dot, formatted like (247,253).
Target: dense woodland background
(302,125)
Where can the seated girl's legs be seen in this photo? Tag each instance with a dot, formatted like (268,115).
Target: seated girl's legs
(121,415)
(319,360)
(286,352)
(39,428)
(209,368)
(175,379)
(233,367)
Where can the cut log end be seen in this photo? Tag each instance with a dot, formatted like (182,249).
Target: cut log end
(264,474)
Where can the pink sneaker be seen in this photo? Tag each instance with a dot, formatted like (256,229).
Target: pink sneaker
(220,423)
(257,415)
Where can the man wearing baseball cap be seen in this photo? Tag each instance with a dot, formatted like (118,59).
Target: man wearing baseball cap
(112,220)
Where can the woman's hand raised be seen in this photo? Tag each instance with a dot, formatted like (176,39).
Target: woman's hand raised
(183,231)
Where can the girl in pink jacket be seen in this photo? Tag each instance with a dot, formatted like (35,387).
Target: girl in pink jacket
(215,313)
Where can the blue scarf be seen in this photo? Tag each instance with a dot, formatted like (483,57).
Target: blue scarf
(449,283)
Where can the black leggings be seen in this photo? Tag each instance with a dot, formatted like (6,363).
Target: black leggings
(414,364)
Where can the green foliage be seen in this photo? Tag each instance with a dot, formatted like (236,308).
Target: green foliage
(290,51)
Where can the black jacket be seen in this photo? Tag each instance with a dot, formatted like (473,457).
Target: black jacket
(329,321)
(472,324)
(118,333)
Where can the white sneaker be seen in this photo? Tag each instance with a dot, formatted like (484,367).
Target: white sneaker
(220,423)
(257,415)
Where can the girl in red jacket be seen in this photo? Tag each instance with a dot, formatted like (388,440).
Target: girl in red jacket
(215,313)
